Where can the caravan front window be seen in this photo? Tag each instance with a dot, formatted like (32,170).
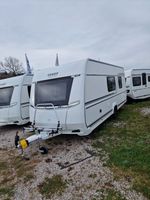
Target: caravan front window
(5,96)
(55,91)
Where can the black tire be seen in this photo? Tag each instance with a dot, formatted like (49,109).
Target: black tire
(115,111)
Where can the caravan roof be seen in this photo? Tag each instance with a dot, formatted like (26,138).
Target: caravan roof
(72,68)
(135,71)
(16,80)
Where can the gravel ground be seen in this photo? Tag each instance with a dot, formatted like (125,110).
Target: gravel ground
(74,158)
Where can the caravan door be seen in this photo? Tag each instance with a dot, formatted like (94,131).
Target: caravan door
(140,88)
(5,99)
(25,94)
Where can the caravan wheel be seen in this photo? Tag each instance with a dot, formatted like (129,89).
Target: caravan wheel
(43,150)
(115,111)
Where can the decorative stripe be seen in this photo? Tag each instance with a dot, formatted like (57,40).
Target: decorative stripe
(27,84)
(99,118)
(25,118)
(102,100)
(147,95)
(140,88)
(24,103)
(116,75)
(121,103)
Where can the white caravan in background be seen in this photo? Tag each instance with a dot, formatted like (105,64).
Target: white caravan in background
(75,98)
(138,83)
(14,99)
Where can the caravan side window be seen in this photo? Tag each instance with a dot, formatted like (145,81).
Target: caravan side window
(5,96)
(29,90)
(111,84)
(144,78)
(148,78)
(136,81)
(120,81)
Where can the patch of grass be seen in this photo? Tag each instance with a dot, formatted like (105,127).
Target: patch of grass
(108,194)
(14,170)
(6,179)
(24,168)
(7,191)
(7,187)
(113,195)
(3,165)
(52,186)
(126,139)
(28,177)
(141,184)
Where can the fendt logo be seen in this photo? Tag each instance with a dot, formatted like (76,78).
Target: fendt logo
(53,74)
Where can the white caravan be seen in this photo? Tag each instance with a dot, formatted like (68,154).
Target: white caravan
(14,100)
(75,98)
(138,83)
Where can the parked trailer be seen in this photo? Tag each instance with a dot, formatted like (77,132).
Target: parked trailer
(138,83)
(75,98)
(14,100)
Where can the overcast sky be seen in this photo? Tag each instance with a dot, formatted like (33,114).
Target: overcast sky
(113,31)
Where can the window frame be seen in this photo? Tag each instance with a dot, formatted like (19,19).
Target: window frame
(110,85)
(133,83)
(10,96)
(64,102)
(144,81)
(120,83)
(29,90)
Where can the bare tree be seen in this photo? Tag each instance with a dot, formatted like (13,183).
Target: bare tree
(12,66)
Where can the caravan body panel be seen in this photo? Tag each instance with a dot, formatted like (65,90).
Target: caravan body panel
(99,102)
(70,115)
(25,97)
(11,100)
(89,102)
(138,83)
